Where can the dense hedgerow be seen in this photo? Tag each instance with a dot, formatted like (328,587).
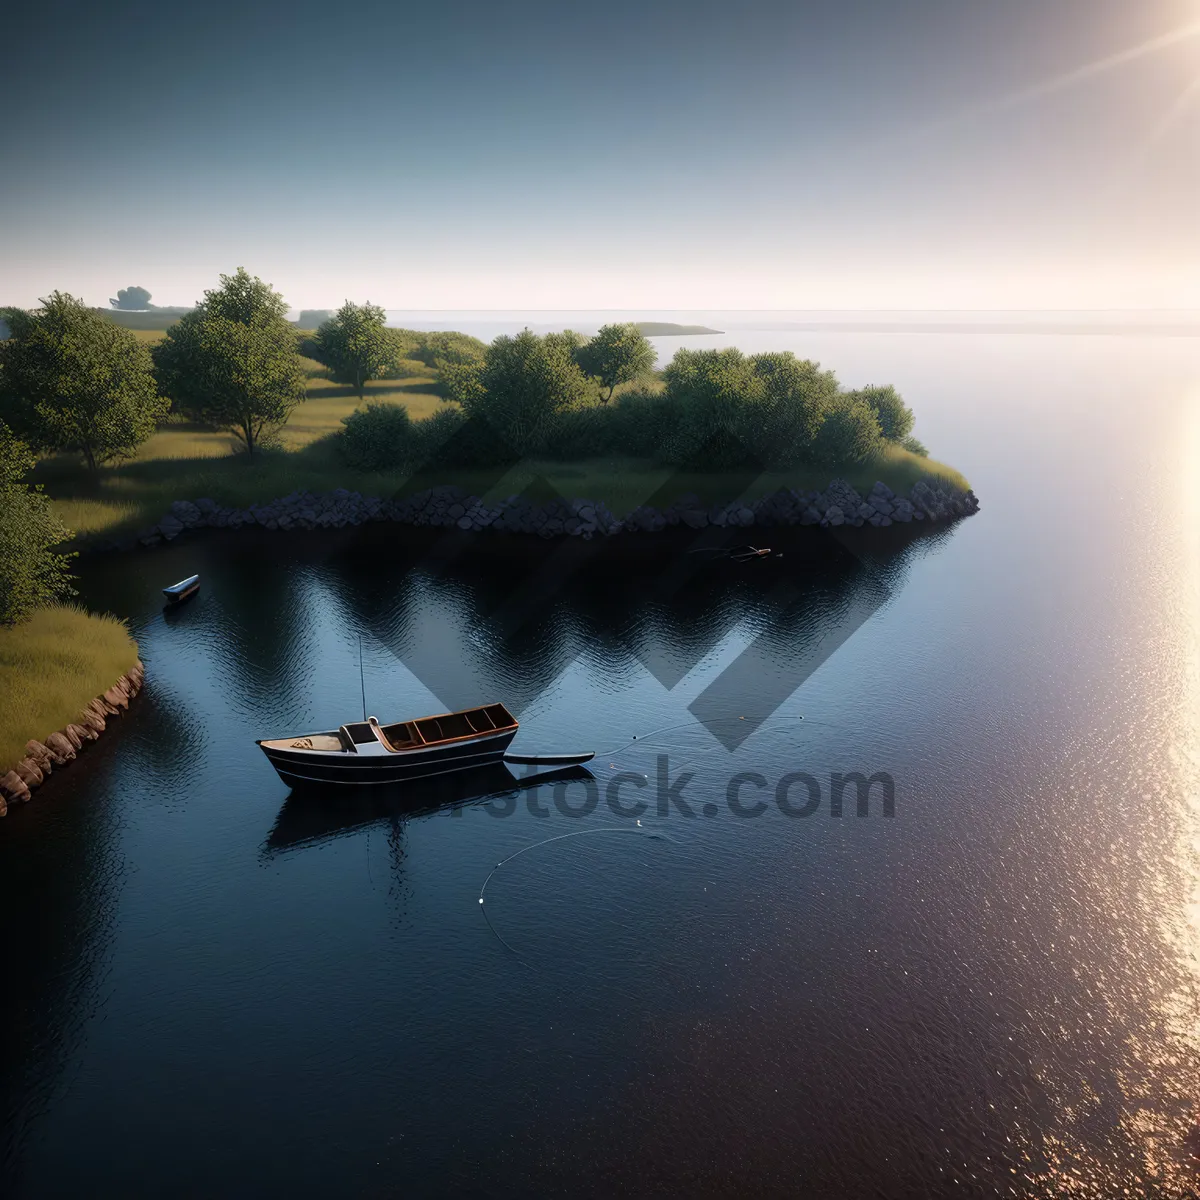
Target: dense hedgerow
(529,397)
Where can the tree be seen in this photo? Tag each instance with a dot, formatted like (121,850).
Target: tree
(131,297)
(796,396)
(617,354)
(524,383)
(32,573)
(356,345)
(894,416)
(72,380)
(232,361)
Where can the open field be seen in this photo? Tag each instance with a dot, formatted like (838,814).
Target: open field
(50,667)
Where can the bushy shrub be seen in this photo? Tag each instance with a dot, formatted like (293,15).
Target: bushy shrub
(451,438)
(849,434)
(435,348)
(32,573)
(915,446)
(582,433)
(796,394)
(894,416)
(719,399)
(525,382)
(461,382)
(642,424)
(380,437)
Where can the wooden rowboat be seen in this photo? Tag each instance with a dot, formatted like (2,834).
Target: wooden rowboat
(183,590)
(366,752)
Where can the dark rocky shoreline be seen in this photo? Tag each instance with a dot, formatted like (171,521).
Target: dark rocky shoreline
(452,507)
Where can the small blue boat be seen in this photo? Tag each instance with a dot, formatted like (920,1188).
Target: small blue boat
(183,590)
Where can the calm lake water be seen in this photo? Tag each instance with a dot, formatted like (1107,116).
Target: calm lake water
(215,987)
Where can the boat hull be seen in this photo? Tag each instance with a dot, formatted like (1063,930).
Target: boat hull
(299,768)
(185,589)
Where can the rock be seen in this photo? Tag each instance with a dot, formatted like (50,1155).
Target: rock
(93,721)
(13,787)
(206,506)
(882,490)
(186,513)
(85,733)
(834,515)
(170,527)
(30,772)
(745,517)
(117,696)
(74,739)
(60,748)
(39,754)
(150,539)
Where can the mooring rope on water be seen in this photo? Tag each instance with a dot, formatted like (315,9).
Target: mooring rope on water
(639,830)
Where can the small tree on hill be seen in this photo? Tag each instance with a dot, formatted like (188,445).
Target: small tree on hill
(131,297)
(617,354)
(232,361)
(32,573)
(356,345)
(71,380)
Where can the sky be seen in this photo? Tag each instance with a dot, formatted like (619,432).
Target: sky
(848,154)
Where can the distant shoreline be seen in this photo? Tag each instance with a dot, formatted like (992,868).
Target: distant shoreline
(670,329)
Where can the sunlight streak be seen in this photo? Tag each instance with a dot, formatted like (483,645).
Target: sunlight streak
(1175,113)
(1062,83)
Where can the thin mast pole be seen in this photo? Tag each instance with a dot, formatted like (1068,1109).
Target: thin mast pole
(361,681)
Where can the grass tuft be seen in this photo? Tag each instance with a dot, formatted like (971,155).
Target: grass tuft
(51,666)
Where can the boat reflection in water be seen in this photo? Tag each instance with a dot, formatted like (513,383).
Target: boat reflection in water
(315,814)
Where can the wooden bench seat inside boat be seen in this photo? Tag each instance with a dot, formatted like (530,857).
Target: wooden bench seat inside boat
(410,735)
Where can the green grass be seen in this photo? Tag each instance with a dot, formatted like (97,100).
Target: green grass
(50,667)
(134,496)
(184,462)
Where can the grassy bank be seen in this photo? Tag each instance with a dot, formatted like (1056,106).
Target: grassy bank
(134,496)
(183,462)
(50,667)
